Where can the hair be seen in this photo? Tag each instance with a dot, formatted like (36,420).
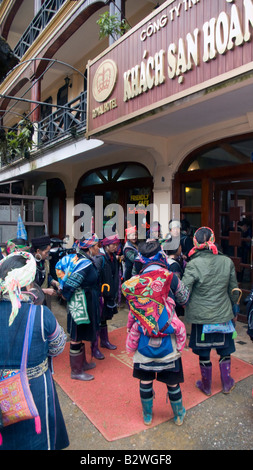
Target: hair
(171,252)
(203,235)
(185,225)
(34,249)
(9,264)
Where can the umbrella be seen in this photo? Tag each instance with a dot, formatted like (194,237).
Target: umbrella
(21,231)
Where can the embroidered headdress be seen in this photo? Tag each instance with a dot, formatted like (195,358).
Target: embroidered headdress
(207,244)
(17,278)
(111,239)
(150,251)
(130,231)
(90,239)
(17,244)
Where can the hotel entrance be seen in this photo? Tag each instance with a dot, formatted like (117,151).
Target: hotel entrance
(214,187)
(126,184)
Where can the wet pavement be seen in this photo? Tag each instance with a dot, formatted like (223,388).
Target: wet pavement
(222,422)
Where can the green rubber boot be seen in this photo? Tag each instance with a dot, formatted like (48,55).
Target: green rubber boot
(147,408)
(179,412)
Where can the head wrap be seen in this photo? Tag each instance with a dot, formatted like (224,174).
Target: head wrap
(16,279)
(17,244)
(88,240)
(210,244)
(174,224)
(41,241)
(130,231)
(111,239)
(150,251)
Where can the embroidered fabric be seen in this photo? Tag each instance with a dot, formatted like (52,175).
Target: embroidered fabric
(225,328)
(32,372)
(57,341)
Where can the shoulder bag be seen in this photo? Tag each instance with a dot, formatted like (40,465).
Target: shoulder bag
(16,400)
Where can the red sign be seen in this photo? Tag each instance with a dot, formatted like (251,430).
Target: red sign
(182,48)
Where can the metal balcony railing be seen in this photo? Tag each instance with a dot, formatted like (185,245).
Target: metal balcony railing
(64,121)
(39,22)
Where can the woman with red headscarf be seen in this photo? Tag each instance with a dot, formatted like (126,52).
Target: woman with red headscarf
(108,269)
(210,277)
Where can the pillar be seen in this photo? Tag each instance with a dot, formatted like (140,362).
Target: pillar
(35,96)
(162,197)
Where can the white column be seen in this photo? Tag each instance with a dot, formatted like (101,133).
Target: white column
(162,193)
(70,219)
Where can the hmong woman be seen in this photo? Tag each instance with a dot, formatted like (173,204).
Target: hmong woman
(210,277)
(48,339)
(78,278)
(152,319)
(40,249)
(108,268)
(130,251)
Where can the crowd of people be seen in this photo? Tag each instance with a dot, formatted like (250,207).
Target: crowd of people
(192,279)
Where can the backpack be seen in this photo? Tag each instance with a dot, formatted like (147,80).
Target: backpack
(157,346)
(146,295)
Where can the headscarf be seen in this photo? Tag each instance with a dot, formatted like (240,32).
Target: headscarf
(17,244)
(111,239)
(130,231)
(210,244)
(16,279)
(174,224)
(151,251)
(88,241)
(68,265)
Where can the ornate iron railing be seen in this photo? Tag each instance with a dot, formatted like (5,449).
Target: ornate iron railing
(39,22)
(64,121)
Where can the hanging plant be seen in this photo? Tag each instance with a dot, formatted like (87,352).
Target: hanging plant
(111,25)
(16,144)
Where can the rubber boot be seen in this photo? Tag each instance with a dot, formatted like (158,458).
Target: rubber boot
(205,384)
(179,411)
(104,340)
(147,408)
(227,382)
(87,365)
(76,364)
(95,351)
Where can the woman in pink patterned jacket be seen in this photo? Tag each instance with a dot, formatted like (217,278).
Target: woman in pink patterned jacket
(152,320)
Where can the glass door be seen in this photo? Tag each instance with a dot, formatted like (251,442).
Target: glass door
(234,224)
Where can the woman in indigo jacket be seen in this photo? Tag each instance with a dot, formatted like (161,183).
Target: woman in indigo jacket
(210,276)
(78,278)
(17,271)
(108,269)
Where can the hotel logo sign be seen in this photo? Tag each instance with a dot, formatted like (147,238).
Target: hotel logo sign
(103,85)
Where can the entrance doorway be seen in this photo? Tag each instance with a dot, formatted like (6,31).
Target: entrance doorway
(233,226)
(214,187)
(124,184)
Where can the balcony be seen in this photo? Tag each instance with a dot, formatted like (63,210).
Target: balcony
(67,121)
(39,22)
(63,121)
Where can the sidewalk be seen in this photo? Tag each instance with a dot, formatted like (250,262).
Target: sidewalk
(222,422)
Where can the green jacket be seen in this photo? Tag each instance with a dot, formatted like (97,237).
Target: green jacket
(210,279)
